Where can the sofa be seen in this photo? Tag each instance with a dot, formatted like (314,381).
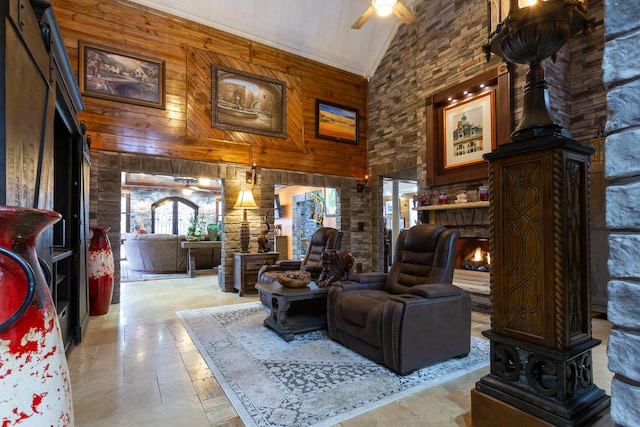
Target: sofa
(161,253)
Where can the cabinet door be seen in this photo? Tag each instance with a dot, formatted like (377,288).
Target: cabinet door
(28,107)
(83,227)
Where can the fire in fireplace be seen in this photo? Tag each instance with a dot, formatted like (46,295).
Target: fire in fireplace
(473,254)
(477,260)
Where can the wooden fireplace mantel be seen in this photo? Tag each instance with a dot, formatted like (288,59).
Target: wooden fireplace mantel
(471,218)
(450,206)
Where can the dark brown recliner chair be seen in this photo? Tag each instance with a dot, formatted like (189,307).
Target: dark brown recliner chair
(410,317)
(324,238)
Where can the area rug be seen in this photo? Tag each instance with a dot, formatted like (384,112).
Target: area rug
(310,381)
(129,275)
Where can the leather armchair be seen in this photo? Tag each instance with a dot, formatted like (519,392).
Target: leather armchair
(324,238)
(412,316)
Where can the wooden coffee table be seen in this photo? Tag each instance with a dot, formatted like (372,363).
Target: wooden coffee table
(294,310)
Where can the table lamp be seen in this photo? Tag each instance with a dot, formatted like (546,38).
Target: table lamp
(245,201)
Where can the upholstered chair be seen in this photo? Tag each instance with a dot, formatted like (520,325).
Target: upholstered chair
(412,316)
(324,238)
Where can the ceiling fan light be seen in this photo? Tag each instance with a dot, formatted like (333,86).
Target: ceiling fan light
(384,7)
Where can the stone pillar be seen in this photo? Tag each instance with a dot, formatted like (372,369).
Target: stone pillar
(541,371)
(622,168)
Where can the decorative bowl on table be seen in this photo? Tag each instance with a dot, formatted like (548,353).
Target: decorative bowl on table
(294,279)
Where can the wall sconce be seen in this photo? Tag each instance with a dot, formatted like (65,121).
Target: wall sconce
(361,185)
(251,175)
(245,201)
(532,31)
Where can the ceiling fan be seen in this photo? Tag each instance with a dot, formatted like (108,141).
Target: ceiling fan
(384,8)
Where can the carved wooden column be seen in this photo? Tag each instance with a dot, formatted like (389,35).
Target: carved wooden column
(541,364)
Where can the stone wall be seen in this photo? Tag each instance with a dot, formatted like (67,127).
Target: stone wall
(622,168)
(444,49)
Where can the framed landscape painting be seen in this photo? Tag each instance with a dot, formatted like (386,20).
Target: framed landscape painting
(336,122)
(248,102)
(117,75)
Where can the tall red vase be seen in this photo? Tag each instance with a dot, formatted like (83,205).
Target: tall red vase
(34,376)
(100,271)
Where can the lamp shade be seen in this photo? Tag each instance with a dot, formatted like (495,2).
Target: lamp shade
(245,200)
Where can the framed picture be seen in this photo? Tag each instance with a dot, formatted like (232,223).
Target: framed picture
(465,122)
(247,102)
(336,122)
(468,130)
(117,75)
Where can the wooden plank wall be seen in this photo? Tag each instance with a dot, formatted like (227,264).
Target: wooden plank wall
(183,129)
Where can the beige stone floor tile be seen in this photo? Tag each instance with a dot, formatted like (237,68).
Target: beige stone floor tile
(137,366)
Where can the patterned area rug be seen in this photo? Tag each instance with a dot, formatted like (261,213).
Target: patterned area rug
(129,275)
(310,381)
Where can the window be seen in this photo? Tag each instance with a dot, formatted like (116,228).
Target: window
(172,215)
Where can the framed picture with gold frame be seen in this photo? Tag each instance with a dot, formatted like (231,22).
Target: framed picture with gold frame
(463,123)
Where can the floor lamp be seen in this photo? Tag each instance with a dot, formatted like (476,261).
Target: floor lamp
(245,201)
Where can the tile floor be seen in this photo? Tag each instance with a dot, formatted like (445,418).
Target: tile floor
(138,367)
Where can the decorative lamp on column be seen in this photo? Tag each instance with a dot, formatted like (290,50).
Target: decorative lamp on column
(245,201)
(532,31)
(541,369)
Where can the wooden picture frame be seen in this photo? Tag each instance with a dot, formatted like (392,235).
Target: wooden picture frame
(493,86)
(336,122)
(121,76)
(248,102)
(468,129)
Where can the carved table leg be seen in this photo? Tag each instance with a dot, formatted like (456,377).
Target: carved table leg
(191,269)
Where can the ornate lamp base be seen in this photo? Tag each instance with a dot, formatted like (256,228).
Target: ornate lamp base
(245,233)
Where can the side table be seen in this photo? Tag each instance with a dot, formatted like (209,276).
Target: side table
(246,266)
(190,246)
(294,310)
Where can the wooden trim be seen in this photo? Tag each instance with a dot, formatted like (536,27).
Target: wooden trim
(499,79)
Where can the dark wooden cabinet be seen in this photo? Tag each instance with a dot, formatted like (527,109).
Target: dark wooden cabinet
(246,266)
(44,159)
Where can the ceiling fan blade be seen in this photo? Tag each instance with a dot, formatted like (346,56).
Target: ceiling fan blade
(364,18)
(402,12)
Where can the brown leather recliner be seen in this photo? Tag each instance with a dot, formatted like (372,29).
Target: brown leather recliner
(324,238)
(412,316)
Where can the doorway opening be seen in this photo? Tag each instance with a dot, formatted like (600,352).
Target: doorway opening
(397,212)
(298,212)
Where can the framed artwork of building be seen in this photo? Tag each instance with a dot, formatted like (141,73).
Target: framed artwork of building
(468,129)
(465,122)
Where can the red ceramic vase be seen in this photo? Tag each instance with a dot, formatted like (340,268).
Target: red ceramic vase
(100,271)
(34,375)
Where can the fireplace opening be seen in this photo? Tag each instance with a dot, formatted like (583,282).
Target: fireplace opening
(473,254)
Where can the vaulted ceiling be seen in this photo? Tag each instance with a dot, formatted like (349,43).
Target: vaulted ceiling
(315,29)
